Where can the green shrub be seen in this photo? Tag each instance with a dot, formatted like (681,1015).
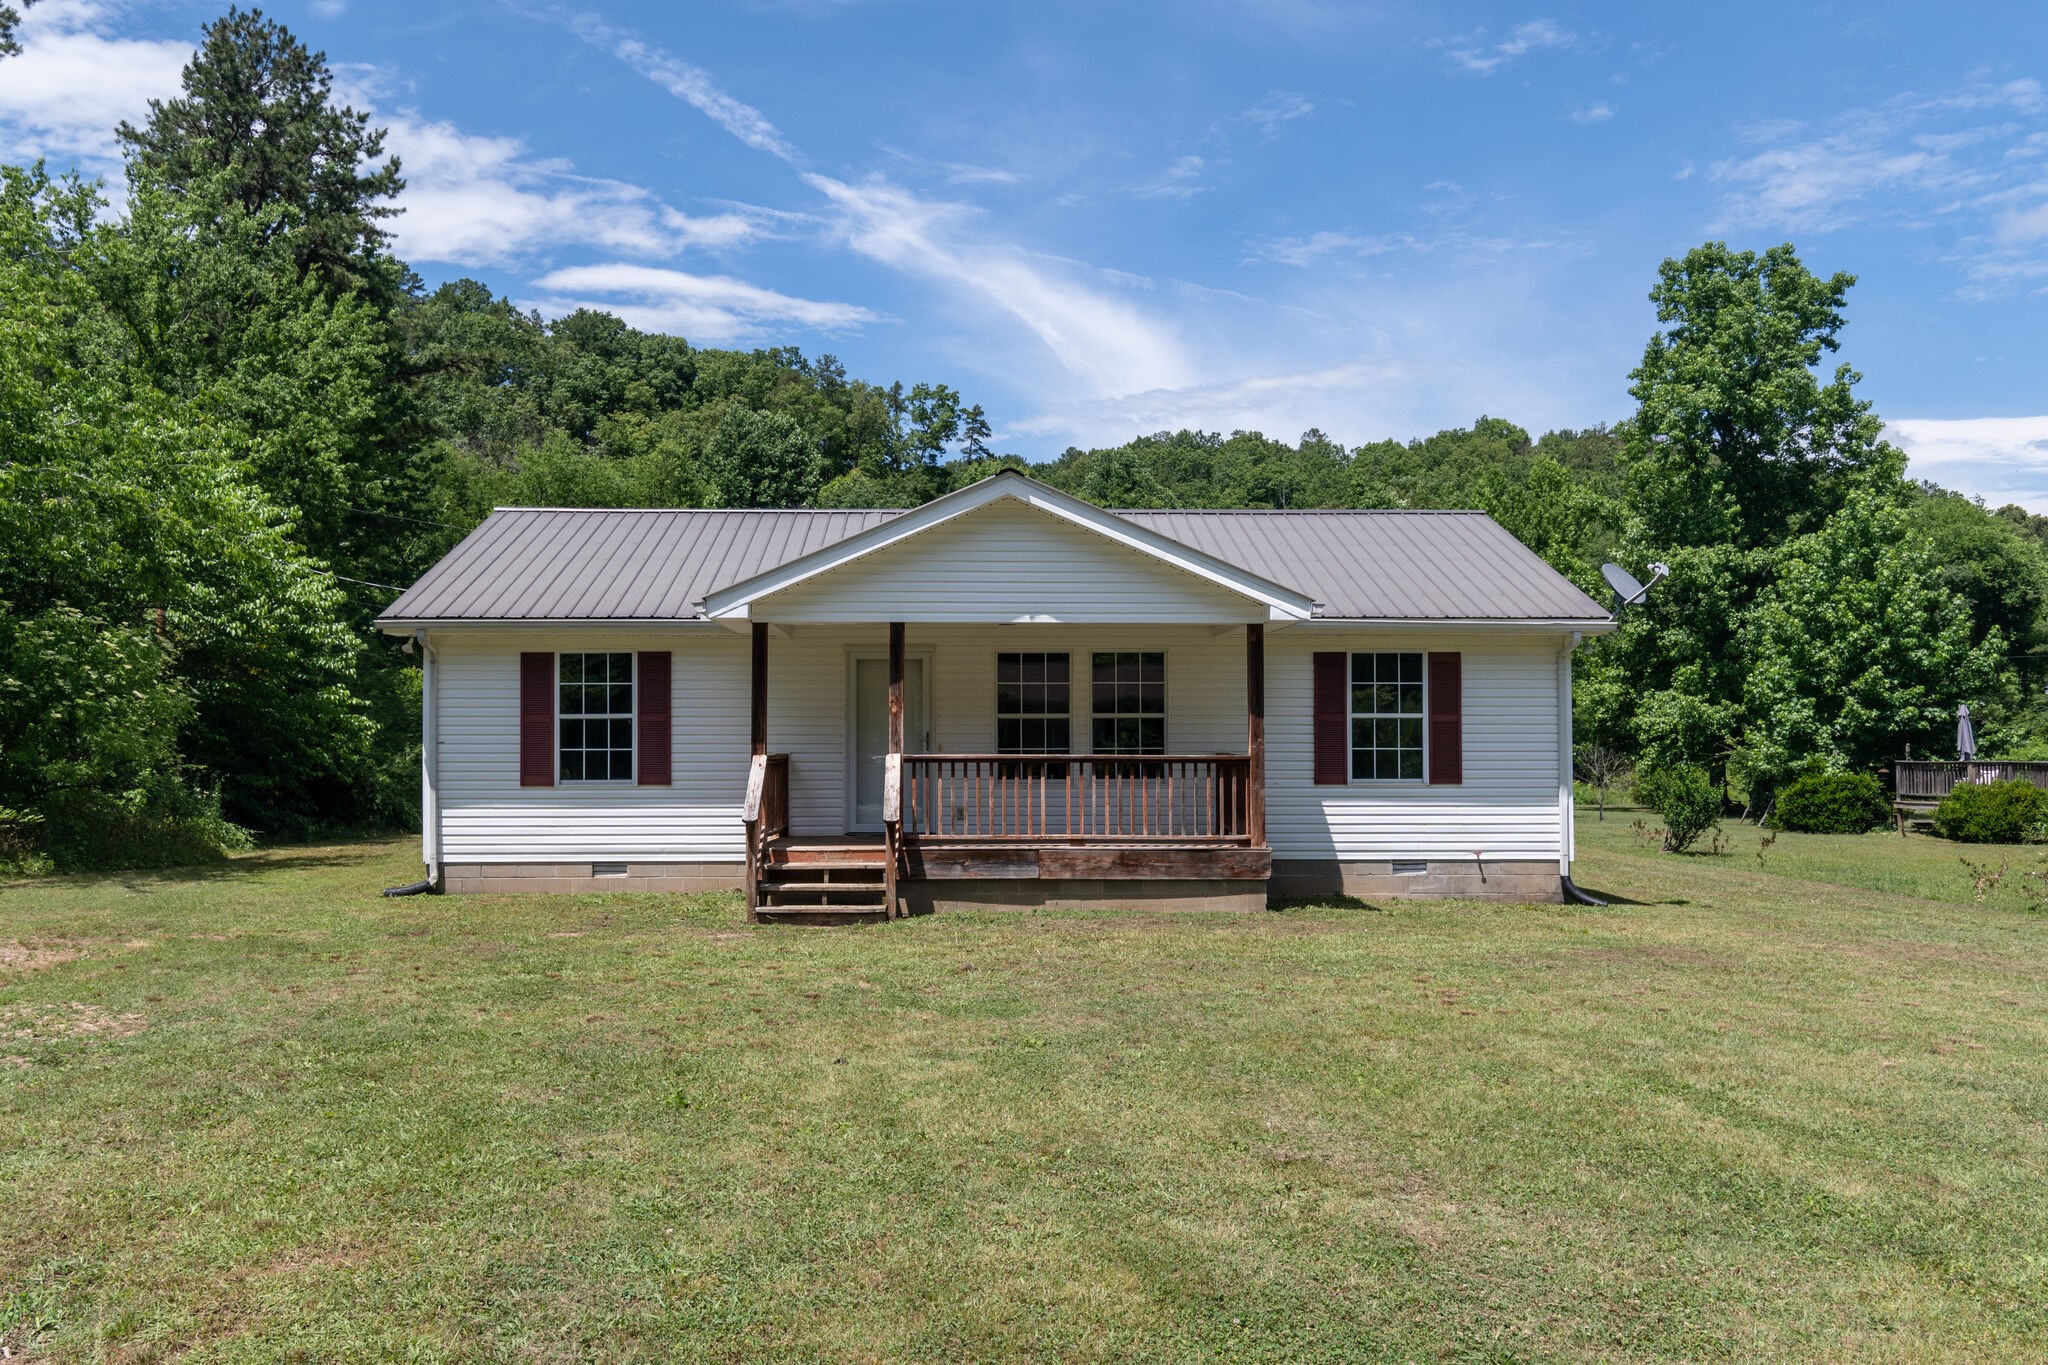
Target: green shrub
(1992,813)
(1831,803)
(1686,797)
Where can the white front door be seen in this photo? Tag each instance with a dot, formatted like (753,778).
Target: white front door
(867,690)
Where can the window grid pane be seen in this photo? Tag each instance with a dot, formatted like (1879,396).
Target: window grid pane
(1387,716)
(595,729)
(1033,703)
(1129,692)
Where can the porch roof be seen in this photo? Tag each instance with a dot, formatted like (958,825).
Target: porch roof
(531,564)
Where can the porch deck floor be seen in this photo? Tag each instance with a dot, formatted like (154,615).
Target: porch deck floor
(1106,845)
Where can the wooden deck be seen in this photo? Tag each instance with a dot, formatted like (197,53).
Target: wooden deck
(1918,784)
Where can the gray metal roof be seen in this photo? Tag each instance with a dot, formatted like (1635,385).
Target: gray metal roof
(572,564)
(1426,566)
(580,564)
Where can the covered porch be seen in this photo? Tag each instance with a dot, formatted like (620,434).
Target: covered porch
(1041,820)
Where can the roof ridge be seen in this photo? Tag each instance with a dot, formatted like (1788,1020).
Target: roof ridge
(1300,511)
(736,511)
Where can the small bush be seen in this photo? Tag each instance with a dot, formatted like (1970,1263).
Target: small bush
(1831,803)
(1992,813)
(1686,797)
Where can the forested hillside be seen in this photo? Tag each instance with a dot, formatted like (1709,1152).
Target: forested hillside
(234,422)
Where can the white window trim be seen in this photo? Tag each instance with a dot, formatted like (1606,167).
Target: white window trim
(1351,717)
(1166,661)
(996,716)
(633,749)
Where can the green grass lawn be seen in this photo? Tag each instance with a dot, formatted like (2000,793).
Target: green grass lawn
(1788,1111)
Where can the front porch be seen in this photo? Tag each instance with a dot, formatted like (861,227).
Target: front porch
(1186,830)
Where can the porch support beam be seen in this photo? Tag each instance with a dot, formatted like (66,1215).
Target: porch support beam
(1255,732)
(896,687)
(760,696)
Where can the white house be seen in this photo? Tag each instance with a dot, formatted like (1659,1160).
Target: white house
(1004,697)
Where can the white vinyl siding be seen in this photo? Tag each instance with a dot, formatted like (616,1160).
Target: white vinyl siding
(1008,562)
(486,816)
(1508,805)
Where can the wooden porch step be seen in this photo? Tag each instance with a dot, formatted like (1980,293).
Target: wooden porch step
(808,853)
(873,911)
(778,886)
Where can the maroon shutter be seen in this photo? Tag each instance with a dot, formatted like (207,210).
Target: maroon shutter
(537,719)
(1446,719)
(1333,718)
(652,700)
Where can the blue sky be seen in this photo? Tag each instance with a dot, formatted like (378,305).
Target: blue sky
(1099,220)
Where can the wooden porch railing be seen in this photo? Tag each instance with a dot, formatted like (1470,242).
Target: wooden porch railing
(1080,798)
(1919,782)
(766,813)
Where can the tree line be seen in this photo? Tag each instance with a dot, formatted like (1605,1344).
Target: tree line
(234,421)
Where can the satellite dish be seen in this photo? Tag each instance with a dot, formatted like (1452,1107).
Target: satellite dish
(1625,585)
(1623,582)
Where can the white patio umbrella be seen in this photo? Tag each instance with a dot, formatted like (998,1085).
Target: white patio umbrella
(1966,733)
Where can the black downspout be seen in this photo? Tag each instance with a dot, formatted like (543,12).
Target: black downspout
(1571,892)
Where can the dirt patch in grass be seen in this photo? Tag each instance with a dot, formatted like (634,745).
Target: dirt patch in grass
(72,1019)
(36,957)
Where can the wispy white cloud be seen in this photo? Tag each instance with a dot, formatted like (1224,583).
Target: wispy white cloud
(2000,459)
(1180,180)
(1810,179)
(950,172)
(477,200)
(1593,113)
(75,80)
(1096,337)
(1272,403)
(1277,110)
(1963,161)
(1318,248)
(690,84)
(712,308)
(1474,54)
(329,9)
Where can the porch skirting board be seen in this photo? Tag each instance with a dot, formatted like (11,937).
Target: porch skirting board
(1506,879)
(1077,893)
(520,878)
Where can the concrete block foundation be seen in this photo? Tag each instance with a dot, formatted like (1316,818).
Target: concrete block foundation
(1514,880)
(520,878)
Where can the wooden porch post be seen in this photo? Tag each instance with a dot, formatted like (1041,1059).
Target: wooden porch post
(892,793)
(895,687)
(760,705)
(1255,732)
(757,771)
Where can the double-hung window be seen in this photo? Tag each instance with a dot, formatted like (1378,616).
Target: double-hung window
(1129,703)
(594,717)
(1034,712)
(1386,716)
